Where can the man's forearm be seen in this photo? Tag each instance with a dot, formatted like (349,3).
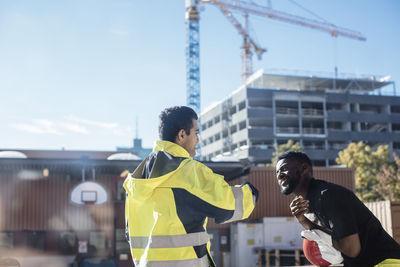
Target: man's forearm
(306,223)
(309,225)
(349,245)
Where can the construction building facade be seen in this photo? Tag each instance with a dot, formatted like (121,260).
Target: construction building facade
(323,114)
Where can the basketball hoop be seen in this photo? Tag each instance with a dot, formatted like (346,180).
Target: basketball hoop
(88,193)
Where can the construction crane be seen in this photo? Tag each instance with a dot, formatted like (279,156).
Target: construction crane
(248,44)
(193,41)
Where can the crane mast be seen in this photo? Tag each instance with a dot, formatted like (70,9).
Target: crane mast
(248,44)
(192,55)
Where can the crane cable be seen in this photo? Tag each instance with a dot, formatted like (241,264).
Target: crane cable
(309,11)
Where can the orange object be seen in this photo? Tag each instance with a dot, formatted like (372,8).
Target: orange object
(312,253)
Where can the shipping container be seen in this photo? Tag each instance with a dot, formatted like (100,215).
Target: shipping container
(388,213)
(282,233)
(244,238)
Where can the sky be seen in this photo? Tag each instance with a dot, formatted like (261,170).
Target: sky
(81,74)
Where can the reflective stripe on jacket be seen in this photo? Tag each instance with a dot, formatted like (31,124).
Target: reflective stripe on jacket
(169,197)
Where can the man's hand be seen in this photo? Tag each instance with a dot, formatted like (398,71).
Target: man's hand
(299,207)
(253,189)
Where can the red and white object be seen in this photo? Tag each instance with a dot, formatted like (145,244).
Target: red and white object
(312,253)
(318,245)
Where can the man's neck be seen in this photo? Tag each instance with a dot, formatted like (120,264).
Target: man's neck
(302,187)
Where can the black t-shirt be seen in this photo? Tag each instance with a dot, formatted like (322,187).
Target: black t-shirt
(338,209)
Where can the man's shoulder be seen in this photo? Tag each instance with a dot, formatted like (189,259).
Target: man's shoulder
(327,189)
(192,163)
(328,185)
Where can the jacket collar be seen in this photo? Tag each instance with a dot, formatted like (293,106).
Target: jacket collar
(171,148)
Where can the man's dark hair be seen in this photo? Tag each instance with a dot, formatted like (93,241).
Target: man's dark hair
(173,119)
(296,155)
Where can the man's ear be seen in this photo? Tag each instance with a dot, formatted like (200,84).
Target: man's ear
(305,169)
(180,136)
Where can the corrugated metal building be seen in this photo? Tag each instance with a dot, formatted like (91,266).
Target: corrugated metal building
(272,203)
(38,219)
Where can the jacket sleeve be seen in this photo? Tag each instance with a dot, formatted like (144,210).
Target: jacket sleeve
(214,197)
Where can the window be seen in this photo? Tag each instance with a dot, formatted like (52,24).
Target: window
(335,107)
(395,109)
(314,145)
(97,242)
(396,145)
(332,162)
(262,144)
(242,105)
(336,125)
(243,143)
(373,127)
(6,240)
(287,108)
(312,109)
(216,119)
(233,129)
(242,125)
(354,127)
(396,128)
(210,140)
(67,242)
(339,145)
(217,137)
(366,108)
(121,245)
(36,240)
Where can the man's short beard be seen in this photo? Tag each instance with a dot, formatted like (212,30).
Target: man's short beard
(293,183)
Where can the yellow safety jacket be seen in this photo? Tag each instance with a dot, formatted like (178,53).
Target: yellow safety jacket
(169,197)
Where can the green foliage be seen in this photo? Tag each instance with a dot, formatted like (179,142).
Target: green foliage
(389,180)
(368,165)
(290,145)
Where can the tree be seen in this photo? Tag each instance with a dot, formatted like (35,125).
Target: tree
(290,145)
(389,180)
(367,165)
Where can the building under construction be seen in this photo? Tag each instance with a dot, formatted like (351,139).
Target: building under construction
(323,114)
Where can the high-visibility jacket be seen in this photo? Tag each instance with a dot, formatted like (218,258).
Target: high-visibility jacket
(169,197)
